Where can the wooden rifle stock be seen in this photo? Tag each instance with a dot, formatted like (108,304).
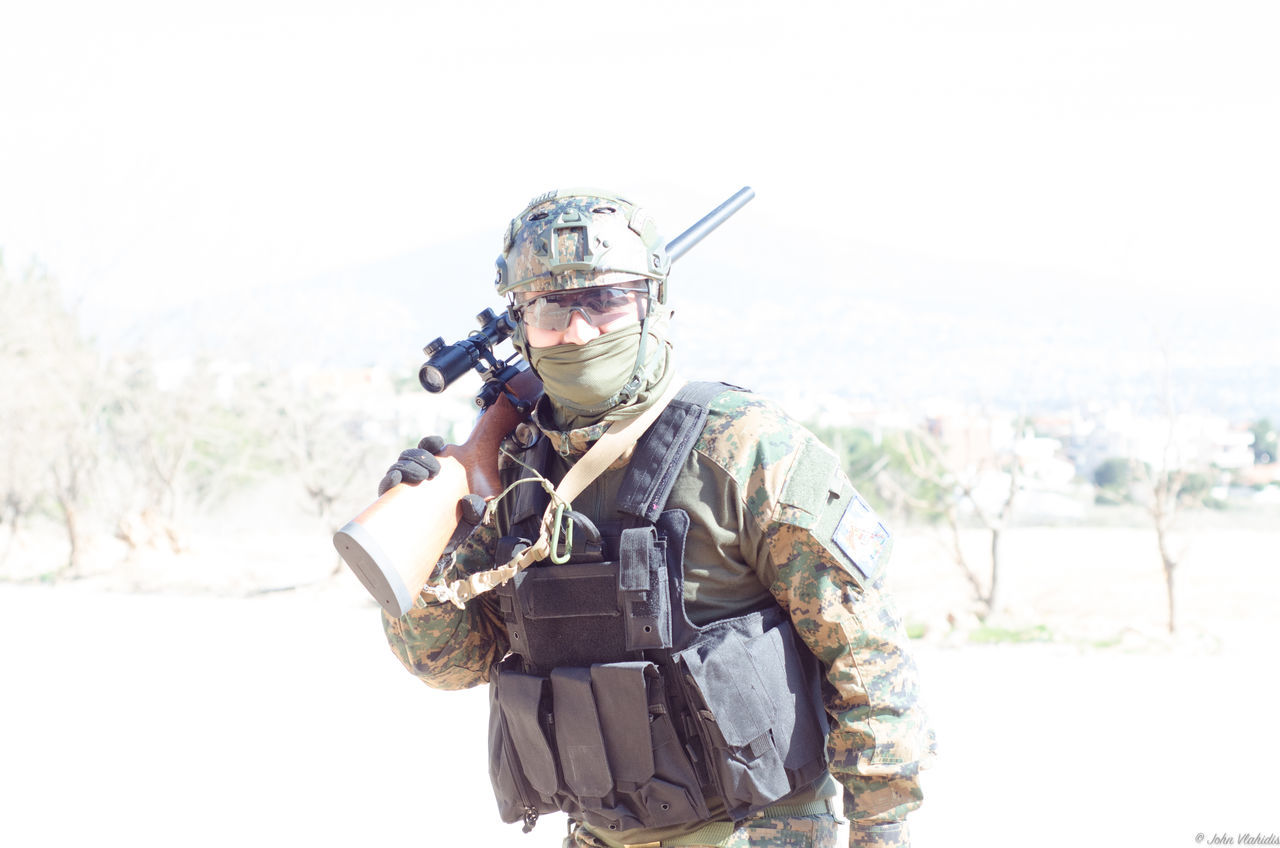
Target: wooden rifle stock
(394,544)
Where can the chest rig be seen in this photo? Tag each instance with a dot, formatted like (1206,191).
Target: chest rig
(612,705)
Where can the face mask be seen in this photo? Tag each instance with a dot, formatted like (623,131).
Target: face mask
(585,377)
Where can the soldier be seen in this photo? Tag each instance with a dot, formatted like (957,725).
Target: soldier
(704,656)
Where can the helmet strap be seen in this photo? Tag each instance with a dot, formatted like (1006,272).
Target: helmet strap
(632,387)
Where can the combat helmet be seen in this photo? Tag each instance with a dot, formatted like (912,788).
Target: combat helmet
(576,238)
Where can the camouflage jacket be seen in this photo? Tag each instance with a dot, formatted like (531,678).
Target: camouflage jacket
(771,513)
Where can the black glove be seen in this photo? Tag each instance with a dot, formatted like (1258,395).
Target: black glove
(472,510)
(414,465)
(472,514)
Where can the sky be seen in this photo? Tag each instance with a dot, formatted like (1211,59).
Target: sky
(153,153)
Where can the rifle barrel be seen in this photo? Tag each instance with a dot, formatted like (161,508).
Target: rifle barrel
(680,245)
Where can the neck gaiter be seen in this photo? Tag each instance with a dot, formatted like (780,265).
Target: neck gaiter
(579,379)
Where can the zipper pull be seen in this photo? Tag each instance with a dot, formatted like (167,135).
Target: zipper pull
(530,818)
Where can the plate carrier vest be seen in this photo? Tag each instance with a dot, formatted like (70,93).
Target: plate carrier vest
(615,708)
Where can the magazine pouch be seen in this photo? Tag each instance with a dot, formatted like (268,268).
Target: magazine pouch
(516,701)
(606,738)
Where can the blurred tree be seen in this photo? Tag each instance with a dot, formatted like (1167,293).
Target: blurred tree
(1161,487)
(184,446)
(140,447)
(51,405)
(1266,443)
(1113,473)
(1197,489)
(935,487)
(318,438)
(1114,479)
(22,480)
(1168,488)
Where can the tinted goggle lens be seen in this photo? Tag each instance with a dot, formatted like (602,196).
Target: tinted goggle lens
(598,305)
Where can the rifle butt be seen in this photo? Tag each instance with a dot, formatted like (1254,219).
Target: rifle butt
(393,546)
(395,543)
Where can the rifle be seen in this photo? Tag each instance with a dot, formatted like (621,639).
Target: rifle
(394,544)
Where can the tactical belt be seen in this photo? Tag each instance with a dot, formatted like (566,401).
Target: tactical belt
(717,832)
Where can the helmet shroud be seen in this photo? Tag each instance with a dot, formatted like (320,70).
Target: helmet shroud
(575,238)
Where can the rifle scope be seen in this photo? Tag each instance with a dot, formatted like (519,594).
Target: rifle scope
(446,363)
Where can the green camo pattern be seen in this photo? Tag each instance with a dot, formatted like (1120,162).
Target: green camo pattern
(793,487)
(447,647)
(574,238)
(819,831)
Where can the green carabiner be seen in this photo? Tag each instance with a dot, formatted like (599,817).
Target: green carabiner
(554,555)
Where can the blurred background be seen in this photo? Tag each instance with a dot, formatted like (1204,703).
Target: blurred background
(1015,263)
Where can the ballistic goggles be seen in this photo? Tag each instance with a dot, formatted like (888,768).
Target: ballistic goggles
(598,305)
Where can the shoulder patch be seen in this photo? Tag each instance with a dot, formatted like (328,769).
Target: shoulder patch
(862,536)
(813,481)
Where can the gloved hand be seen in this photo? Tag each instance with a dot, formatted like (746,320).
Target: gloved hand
(470,514)
(414,465)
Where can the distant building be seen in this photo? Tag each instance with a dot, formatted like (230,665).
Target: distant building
(1191,441)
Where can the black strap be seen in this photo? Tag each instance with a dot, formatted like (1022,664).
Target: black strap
(661,451)
(530,499)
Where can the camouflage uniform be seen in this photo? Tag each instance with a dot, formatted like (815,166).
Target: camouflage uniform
(817,831)
(769,510)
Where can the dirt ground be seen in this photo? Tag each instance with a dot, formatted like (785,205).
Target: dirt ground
(172,701)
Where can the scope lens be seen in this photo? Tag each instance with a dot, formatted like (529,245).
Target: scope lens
(448,364)
(431,378)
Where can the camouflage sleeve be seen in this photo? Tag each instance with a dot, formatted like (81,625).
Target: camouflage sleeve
(879,736)
(821,550)
(447,647)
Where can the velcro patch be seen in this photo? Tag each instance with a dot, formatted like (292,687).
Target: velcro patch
(862,536)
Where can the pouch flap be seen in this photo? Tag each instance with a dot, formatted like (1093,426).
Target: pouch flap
(624,718)
(634,546)
(520,699)
(578,736)
(732,690)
